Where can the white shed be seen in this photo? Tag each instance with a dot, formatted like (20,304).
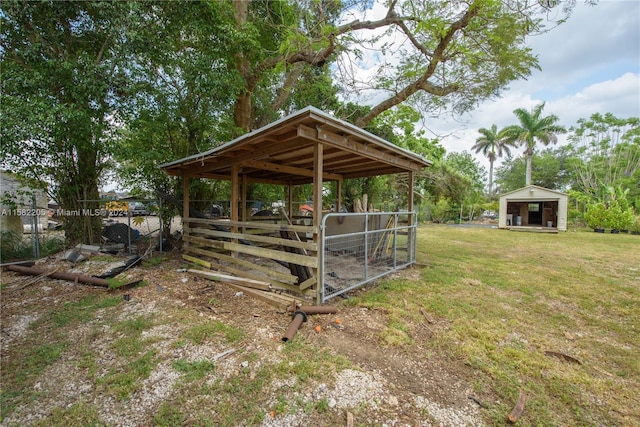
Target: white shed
(534,208)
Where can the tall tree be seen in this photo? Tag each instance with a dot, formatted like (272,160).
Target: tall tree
(62,73)
(552,168)
(182,88)
(445,54)
(492,144)
(533,129)
(607,155)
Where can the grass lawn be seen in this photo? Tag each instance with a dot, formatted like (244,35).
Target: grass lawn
(491,309)
(507,298)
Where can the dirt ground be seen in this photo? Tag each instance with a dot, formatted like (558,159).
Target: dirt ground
(396,387)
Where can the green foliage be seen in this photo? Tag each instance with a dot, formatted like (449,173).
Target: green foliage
(82,310)
(606,153)
(533,129)
(618,218)
(614,216)
(207,331)
(62,75)
(442,211)
(168,415)
(14,247)
(596,216)
(87,84)
(126,380)
(493,144)
(116,282)
(194,371)
(79,414)
(551,168)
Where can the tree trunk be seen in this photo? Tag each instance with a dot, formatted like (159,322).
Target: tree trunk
(242,106)
(79,195)
(529,169)
(242,113)
(82,220)
(490,181)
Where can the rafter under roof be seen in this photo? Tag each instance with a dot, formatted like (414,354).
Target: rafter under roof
(282,153)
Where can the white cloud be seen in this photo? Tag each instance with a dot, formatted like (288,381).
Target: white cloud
(618,96)
(591,64)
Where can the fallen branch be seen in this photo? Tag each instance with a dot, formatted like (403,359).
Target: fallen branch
(517,411)
(224,354)
(562,356)
(478,401)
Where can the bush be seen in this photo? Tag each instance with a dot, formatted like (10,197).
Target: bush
(441,211)
(596,216)
(14,247)
(619,217)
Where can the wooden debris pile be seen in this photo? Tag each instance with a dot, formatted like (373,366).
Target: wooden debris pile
(263,291)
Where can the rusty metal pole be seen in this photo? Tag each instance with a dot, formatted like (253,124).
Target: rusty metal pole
(317,309)
(59,275)
(296,320)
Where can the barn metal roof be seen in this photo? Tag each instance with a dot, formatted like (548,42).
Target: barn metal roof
(283,152)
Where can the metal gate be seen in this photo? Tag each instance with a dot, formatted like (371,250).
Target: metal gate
(361,247)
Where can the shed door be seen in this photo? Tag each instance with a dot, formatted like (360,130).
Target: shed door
(535,213)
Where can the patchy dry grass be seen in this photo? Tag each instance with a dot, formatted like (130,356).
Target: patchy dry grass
(476,316)
(509,297)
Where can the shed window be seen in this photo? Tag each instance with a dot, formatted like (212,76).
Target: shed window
(534,207)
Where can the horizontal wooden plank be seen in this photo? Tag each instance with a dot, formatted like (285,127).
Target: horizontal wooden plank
(310,246)
(307,261)
(271,272)
(275,284)
(197,261)
(249,224)
(219,277)
(308,283)
(262,295)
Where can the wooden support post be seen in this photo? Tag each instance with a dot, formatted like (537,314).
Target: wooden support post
(410,180)
(243,201)
(243,198)
(411,242)
(235,171)
(339,193)
(317,186)
(185,205)
(290,199)
(317,217)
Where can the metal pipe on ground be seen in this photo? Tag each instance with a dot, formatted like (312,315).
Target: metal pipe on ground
(29,271)
(317,309)
(296,320)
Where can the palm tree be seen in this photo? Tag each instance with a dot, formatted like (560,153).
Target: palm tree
(533,129)
(493,144)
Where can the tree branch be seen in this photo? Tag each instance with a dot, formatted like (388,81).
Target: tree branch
(422,82)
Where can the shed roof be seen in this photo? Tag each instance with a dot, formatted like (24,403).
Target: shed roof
(520,192)
(283,152)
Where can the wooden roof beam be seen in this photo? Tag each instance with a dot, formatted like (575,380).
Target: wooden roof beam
(364,150)
(264,151)
(274,167)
